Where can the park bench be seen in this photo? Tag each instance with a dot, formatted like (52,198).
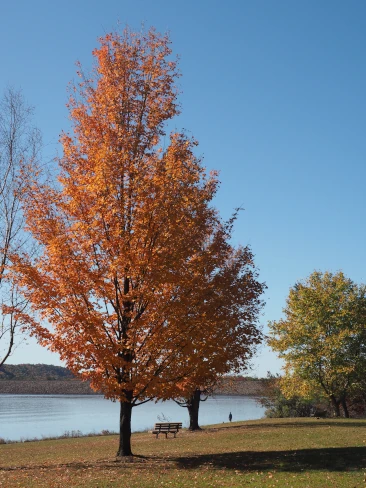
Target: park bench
(319,414)
(166,428)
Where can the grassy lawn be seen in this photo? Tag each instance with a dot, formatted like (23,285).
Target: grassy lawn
(265,453)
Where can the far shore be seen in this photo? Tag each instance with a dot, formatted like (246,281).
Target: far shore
(228,386)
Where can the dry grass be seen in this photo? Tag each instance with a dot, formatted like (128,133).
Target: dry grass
(266,453)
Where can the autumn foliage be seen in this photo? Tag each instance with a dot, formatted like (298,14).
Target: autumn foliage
(136,285)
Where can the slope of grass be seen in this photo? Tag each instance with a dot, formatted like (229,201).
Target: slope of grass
(265,453)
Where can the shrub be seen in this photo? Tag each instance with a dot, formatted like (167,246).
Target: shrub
(278,406)
(289,407)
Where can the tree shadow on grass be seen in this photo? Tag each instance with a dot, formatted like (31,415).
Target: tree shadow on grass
(330,459)
(326,459)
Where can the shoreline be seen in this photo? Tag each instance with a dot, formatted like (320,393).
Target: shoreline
(236,387)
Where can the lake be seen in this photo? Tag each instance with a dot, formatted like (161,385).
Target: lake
(28,416)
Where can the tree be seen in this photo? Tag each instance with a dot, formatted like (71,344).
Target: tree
(129,243)
(322,338)
(233,300)
(191,400)
(19,145)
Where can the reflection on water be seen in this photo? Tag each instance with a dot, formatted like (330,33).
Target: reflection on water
(28,416)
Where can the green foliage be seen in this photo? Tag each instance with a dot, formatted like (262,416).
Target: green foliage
(322,338)
(279,406)
(284,407)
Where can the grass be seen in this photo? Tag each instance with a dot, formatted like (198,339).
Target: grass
(66,435)
(265,453)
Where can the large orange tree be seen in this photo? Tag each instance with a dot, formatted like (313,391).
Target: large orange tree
(128,240)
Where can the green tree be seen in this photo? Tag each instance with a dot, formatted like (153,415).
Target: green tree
(322,338)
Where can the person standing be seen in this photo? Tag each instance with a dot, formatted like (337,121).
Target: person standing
(230,417)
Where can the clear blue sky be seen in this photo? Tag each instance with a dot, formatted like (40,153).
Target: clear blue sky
(274,91)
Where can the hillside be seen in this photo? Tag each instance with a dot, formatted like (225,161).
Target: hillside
(46,379)
(34,372)
(45,387)
(240,385)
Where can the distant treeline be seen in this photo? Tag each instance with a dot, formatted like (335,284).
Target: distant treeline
(48,379)
(34,372)
(240,385)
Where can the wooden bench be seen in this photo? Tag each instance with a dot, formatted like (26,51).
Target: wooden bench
(319,414)
(166,428)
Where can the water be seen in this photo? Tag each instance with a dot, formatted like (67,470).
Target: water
(29,416)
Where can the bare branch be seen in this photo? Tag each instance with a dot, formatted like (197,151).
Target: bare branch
(20,144)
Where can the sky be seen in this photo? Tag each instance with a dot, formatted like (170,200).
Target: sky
(274,92)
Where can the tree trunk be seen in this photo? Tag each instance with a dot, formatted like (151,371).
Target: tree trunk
(345,408)
(193,406)
(335,402)
(125,430)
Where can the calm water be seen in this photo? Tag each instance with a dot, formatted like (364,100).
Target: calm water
(28,416)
